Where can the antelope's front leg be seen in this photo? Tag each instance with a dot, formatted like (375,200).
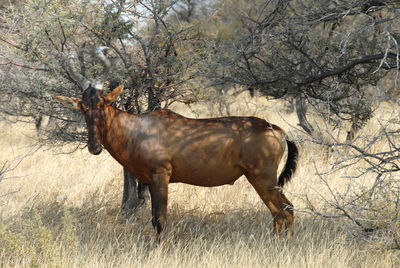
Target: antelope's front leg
(159,199)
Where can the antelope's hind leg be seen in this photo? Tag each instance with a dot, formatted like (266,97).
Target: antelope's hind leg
(289,215)
(281,208)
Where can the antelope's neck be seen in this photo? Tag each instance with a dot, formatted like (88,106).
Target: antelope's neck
(118,130)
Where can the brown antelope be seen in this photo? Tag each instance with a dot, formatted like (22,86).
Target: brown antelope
(162,147)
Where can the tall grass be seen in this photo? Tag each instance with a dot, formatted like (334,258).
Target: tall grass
(64,210)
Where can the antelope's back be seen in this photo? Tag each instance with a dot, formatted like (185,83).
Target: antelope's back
(214,151)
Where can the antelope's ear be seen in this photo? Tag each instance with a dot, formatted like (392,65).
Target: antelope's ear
(70,102)
(110,97)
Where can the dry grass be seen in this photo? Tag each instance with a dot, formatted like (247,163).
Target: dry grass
(65,211)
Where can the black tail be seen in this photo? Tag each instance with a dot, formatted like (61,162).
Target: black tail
(291,163)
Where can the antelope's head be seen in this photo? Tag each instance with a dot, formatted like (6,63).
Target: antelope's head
(93,103)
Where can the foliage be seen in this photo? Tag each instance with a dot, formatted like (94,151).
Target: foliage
(369,170)
(325,54)
(152,56)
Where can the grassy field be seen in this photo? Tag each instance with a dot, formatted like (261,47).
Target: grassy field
(64,210)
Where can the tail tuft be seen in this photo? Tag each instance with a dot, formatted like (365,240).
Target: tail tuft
(291,164)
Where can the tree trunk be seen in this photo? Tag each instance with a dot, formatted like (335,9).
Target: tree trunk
(153,101)
(135,193)
(301,110)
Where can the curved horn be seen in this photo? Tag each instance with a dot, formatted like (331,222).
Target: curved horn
(82,81)
(98,82)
